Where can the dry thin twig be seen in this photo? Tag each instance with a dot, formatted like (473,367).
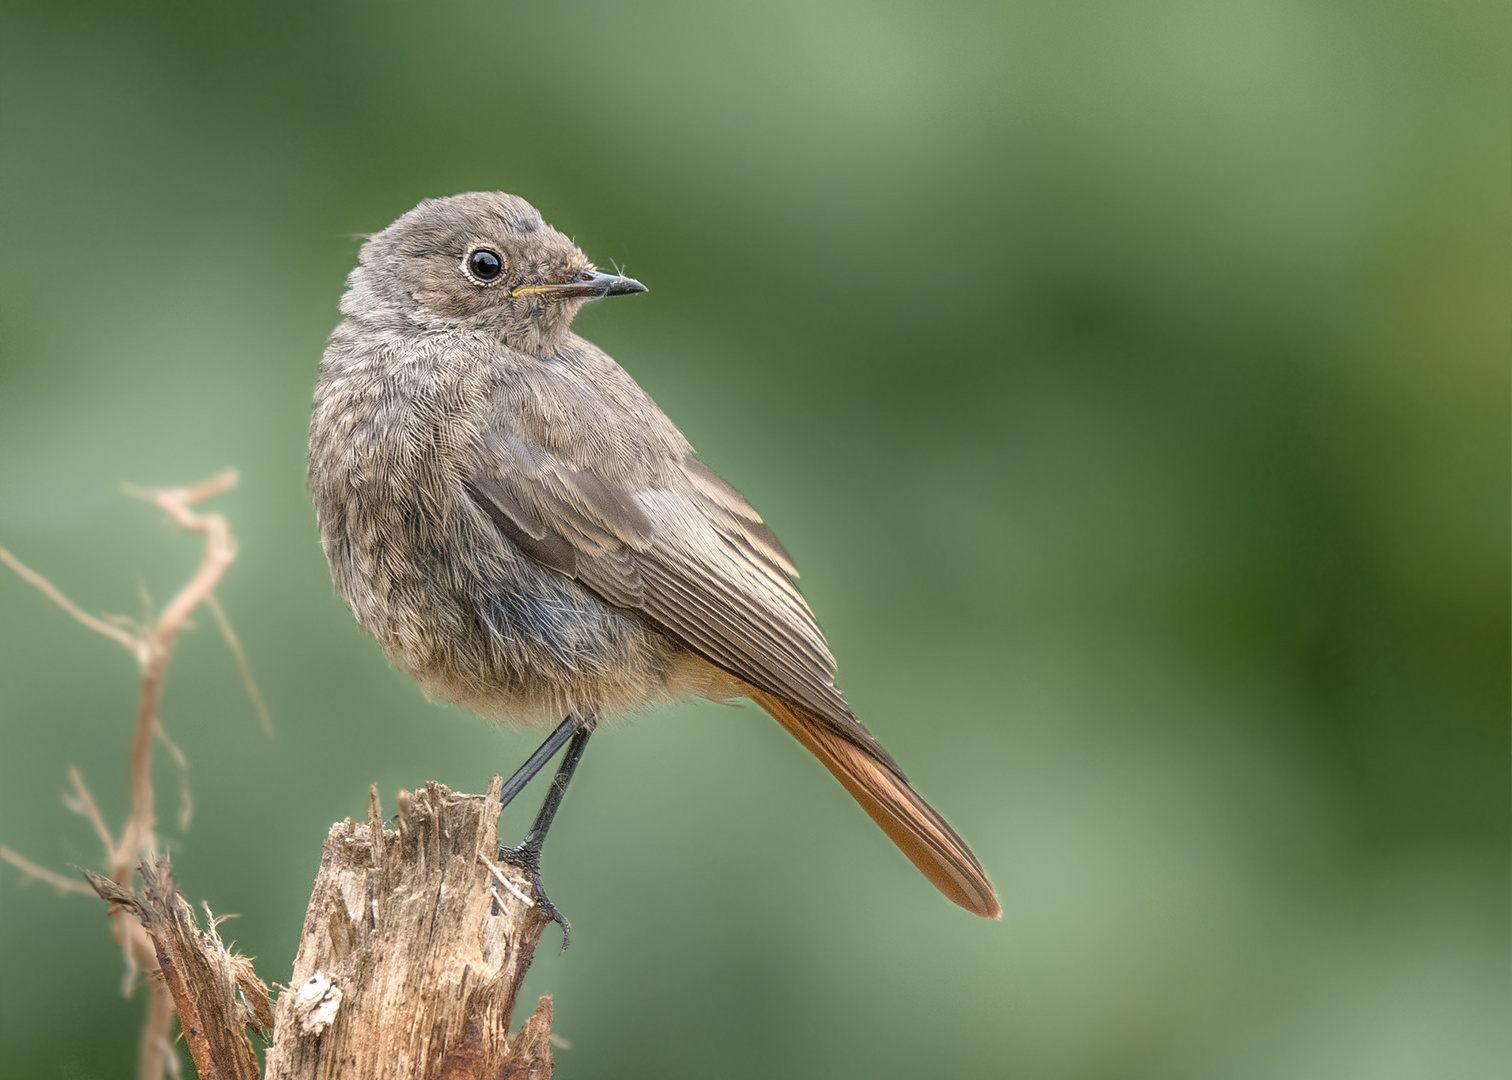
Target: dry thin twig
(156,649)
(186,800)
(49,590)
(150,643)
(82,803)
(33,872)
(234,644)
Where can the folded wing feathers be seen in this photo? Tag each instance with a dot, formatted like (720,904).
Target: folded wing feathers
(689,553)
(692,556)
(710,484)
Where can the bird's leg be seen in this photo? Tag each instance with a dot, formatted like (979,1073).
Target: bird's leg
(527,855)
(544,753)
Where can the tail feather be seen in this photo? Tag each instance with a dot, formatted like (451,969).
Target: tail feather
(910,822)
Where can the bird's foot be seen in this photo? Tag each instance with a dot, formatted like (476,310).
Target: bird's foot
(528,858)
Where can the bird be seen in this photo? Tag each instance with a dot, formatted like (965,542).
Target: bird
(529,536)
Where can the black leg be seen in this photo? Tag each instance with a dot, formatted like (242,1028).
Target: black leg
(537,835)
(544,753)
(528,855)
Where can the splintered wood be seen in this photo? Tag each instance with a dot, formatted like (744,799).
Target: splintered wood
(215,992)
(412,954)
(415,943)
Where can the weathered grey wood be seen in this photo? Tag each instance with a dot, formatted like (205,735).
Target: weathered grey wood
(414,946)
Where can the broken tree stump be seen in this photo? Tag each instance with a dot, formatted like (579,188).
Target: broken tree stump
(414,946)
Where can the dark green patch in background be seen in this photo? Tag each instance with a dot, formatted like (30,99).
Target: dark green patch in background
(1128,381)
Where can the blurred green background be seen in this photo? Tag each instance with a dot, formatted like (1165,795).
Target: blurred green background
(1129,381)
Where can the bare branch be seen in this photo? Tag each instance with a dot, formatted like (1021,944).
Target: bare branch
(144,598)
(33,872)
(220,550)
(82,803)
(151,643)
(130,642)
(156,1053)
(175,1066)
(234,644)
(186,802)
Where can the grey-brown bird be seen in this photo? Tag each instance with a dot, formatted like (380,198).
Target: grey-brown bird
(528,535)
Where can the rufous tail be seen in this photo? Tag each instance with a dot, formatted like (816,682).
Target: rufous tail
(910,822)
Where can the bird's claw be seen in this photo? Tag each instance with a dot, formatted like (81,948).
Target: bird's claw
(528,858)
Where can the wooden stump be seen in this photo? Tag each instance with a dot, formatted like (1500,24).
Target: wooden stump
(415,943)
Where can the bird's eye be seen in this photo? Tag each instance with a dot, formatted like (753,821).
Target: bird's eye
(484,265)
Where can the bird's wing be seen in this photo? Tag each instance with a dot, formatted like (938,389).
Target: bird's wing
(686,553)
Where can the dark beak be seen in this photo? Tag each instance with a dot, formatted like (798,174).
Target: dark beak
(585,283)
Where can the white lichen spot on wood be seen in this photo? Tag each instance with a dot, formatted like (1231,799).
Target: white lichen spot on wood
(316,1004)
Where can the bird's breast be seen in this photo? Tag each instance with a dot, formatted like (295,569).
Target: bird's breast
(452,601)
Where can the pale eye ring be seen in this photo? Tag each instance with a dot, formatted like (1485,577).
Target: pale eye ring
(484,265)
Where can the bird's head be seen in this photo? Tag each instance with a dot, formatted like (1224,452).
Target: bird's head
(483,260)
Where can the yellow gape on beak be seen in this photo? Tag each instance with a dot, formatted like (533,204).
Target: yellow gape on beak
(584,283)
